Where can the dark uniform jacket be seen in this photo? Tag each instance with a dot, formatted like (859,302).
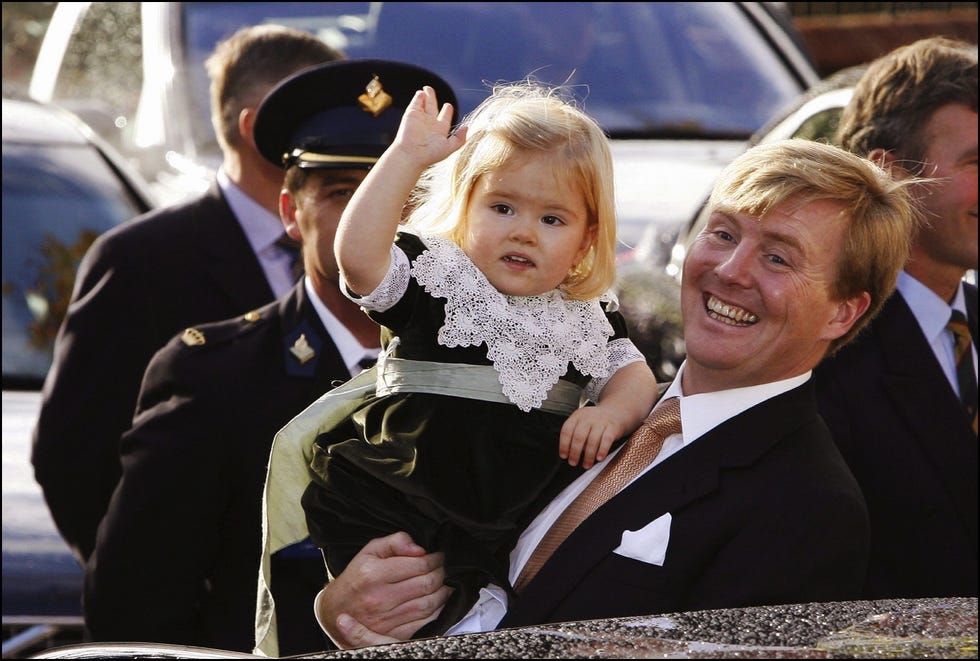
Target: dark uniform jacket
(763,511)
(902,430)
(177,556)
(138,285)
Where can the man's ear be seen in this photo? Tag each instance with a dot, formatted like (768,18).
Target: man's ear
(246,125)
(883,158)
(848,312)
(287,214)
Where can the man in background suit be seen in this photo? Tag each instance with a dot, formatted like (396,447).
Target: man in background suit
(207,259)
(751,504)
(177,553)
(892,399)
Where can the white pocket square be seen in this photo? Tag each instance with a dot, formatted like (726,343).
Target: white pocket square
(648,544)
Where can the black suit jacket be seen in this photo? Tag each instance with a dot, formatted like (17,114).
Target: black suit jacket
(137,286)
(763,511)
(177,554)
(900,427)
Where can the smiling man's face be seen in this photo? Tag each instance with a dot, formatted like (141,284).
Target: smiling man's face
(756,296)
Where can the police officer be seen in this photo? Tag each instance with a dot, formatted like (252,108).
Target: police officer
(177,555)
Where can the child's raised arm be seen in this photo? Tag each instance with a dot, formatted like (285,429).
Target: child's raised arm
(371,219)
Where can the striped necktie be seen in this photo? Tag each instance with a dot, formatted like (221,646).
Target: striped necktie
(638,452)
(964,366)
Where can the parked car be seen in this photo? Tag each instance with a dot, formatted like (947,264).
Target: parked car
(649,284)
(679,86)
(62,187)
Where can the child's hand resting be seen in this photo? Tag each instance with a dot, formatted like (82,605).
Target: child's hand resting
(588,433)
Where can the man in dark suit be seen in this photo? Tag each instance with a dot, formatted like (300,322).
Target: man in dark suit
(750,503)
(207,259)
(894,401)
(177,554)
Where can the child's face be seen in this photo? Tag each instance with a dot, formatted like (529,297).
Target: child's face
(527,226)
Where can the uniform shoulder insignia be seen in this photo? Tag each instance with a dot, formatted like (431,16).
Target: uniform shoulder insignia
(192,337)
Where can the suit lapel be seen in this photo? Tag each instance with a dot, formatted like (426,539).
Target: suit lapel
(687,476)
(921,394)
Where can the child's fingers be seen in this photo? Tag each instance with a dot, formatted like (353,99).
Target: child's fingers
(597,445)
(565,437)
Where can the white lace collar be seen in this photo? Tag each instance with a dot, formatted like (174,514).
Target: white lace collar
(530,339)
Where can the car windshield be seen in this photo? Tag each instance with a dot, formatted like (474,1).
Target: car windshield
(643,69)
(56,199)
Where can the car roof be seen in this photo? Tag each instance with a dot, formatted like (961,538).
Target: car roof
(29,121)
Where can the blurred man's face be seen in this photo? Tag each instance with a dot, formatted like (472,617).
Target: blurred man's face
(315,210)
(949,240)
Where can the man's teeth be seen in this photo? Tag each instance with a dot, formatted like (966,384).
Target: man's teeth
(729,314)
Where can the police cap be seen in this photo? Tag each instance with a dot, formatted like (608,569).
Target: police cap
(342,114)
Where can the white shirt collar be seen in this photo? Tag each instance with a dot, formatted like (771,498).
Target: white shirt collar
(930,311)
(702,413)
(262,228)
(351,351)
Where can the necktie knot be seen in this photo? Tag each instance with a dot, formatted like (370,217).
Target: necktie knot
(665,419)
(961,333)
(293,248)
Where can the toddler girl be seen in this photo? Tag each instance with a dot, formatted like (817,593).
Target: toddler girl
(497,323)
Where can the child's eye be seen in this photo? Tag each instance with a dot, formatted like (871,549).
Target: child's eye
(552,220)
(503,209)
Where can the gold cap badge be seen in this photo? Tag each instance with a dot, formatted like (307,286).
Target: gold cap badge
(192,337)
(252,316)
(302,349)
(374,100)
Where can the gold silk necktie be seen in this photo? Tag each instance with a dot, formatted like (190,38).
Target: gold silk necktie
(639,451)
(964,366)
(293,247)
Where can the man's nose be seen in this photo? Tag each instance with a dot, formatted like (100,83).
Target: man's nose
(736,267)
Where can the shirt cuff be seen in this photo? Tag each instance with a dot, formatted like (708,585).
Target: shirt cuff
(486,613)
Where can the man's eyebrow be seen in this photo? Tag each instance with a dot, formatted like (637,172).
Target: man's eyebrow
(787,239)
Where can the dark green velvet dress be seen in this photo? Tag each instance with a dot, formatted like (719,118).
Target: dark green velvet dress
(459,475)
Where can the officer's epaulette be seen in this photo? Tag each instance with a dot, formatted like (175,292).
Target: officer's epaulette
(218,332)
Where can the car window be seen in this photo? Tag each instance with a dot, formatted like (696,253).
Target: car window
(643,69)
(104,53)
(56,199)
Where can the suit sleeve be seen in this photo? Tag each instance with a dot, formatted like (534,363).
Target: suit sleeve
(90,393)
(147,576)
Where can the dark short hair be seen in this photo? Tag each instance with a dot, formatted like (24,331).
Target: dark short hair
(246,65)
(900,91)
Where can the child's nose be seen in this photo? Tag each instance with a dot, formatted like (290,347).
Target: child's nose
(523,230)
